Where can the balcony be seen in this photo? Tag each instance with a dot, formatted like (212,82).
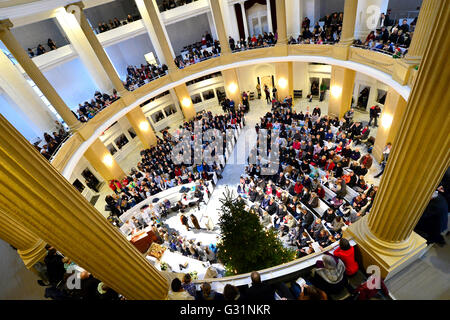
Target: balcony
(375,64)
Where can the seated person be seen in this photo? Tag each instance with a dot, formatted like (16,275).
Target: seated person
(329,275)
(346,253)
(207,293)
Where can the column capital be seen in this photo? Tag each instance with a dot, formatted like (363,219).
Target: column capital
(5,25)
(70,7)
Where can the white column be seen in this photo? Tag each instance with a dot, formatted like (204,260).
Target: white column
(367,15)
(229,17)
(150,31)
(163,25)
(244,18)
(81,45)
(310,9)
(21,96)
(293,18)
(212,25)
(269,16)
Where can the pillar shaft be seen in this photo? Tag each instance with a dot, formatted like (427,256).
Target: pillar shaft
(269,16)
(394,108)
(150,30)
(244,19)
(24,99)
(97,48)
(348,24)
(38,197)
(284,79)
(102,160)
(293,20)
(220,27)
(185,101)
(232,89)
(70,23)
(36,75)
(281,22)
(142,127)
(159,33)
(417,162)
(30,248)
(427,17)
(341,90)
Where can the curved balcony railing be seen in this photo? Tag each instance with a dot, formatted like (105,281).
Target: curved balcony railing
(366,58)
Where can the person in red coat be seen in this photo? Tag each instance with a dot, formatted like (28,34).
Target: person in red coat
(320,192)
(346,253)
(330,165)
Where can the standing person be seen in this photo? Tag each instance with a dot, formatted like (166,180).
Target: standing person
(184,221)
(386,152)
(258,90)
(274,93)
(374,114)
(195,222)
(267,93)
(55,266)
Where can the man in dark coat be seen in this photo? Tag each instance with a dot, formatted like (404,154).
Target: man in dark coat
(259,291)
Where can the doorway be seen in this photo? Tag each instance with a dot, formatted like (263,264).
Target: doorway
(363,97)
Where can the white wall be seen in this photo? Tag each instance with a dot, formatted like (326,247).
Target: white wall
(300,74)
(129,52)
(72,82)
(247,76)
(116,9)
(18,120)
(328,7)
(187,32)
(31,35)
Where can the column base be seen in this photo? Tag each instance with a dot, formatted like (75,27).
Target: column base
(390,257)
(341,51)
(33,255)
(402,70)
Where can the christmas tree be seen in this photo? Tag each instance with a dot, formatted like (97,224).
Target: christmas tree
(245,245)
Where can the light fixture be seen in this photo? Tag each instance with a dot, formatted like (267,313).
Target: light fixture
(232,87)
(144,126)
(186,102)
(108,160)
(386,120)
(282,83)
(336,91)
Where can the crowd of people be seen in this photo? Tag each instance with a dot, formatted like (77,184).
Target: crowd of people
(304,193)
(146,73)
(89,109)
(165,5)
(56,276)
(198,51)
(330,276)
(255,41)
(40,48)
(329,34)
(394,39)
(112,24)
(158,170)
(52,143)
